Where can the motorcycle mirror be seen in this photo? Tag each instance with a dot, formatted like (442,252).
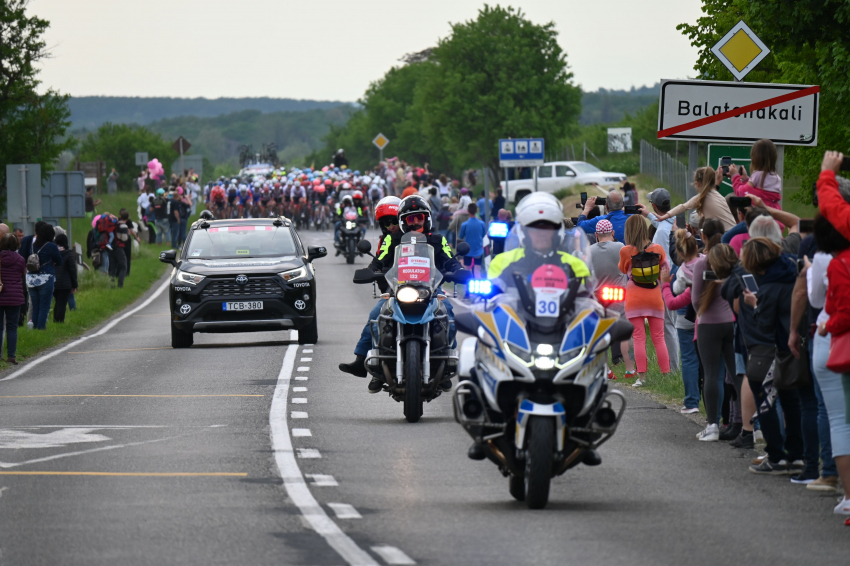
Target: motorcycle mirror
(364,247)
(463,248)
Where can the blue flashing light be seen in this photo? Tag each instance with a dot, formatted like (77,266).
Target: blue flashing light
(498,230)
(480,286)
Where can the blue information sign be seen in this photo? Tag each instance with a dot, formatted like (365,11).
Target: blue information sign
(521,152)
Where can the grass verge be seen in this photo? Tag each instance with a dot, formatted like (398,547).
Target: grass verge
(96,299)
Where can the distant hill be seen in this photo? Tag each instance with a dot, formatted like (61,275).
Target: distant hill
(89,112)
(607,106)
(218,138)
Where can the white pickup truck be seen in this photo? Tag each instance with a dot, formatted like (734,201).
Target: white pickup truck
(557,175)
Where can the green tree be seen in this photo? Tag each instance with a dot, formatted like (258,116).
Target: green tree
(117,144)
(809,45)
(498,76)
(33,125)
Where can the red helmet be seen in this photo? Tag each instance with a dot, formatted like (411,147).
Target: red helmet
(277,185)
(317,181)
(357,195)
(387,206)
(328,182)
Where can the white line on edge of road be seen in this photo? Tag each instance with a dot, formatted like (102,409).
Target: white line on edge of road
(293,480)
(82,339)
(392,555)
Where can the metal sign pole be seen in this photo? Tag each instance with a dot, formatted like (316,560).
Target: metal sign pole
(536,170)
(68,208)
(23,171)
(486,210)
(693,164)
(507,192)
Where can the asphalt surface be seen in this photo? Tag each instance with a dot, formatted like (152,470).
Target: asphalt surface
(93,442)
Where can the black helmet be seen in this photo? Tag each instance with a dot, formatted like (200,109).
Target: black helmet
(207,215)
(414,204)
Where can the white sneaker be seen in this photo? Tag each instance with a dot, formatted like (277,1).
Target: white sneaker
(710,434)
(686,411)
(759,438)
(30,325)
(638,383)
(842,508)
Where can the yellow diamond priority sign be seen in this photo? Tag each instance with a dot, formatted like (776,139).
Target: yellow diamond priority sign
(740,50)
(381,141)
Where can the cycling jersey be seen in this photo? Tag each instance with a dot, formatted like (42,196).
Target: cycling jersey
(231,196)
(245,198)
(217,194)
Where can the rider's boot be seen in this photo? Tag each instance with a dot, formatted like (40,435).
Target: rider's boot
(591,458)
(376,385)
(357,367)
(476,452)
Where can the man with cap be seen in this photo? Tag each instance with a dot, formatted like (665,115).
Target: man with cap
(605,258)
(660,201)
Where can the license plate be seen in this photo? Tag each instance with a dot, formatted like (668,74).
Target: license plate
(244,306)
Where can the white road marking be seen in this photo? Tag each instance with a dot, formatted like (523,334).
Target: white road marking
(301,432)
(303,369)
(306,351)
(300,378)
(306,359)
(345,511)
(308,453)
(392,555)
(79,452)
(293,480)
(323,480)
(299,389)
(299,415)
(2,489)
(299,400)
(17,439)
(82,339)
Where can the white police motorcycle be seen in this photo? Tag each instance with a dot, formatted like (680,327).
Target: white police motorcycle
(534,393)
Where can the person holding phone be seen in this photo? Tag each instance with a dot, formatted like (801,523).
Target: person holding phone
(764,182)
(708,202)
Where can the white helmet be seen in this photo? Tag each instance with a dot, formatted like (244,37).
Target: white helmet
(540,206)
(366,180)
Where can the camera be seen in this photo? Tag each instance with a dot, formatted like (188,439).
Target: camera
(632,209)
(740,202)
(807,226)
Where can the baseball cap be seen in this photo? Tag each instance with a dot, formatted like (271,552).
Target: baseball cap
(604,227)
(659,196)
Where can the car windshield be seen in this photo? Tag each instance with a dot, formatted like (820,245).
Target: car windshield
(240,242)
(583,167)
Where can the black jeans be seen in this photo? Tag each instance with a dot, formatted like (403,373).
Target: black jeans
(778,448)
(118,265)
(11,327)
(61,297)
(128,251)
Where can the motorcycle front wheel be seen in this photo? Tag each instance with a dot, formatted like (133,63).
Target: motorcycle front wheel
(349,256)
(413,382)
(538,461)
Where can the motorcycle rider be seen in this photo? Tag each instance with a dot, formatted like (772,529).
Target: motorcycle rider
(347,205)
(414,215)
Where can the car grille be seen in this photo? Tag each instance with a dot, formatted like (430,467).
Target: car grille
(256,286)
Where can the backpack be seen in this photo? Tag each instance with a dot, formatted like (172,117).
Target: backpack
(160,211)
(646,268)
(33,262)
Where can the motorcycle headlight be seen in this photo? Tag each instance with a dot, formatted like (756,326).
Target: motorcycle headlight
(544,362)
(407,295)
(349,225)
(294,275)
(189,278)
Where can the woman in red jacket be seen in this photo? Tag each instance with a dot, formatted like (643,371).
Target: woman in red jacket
(12,272)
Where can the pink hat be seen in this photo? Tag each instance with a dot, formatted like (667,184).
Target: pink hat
(179,190)
(604,227)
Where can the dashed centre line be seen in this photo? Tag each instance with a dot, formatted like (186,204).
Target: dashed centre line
(393,555)
(308,453)
(307,351)
(322,480)
(300,378)
(299,389)
(303,369)
(306,359)
(299,400)
(301,432)
(345,511)
(299,415)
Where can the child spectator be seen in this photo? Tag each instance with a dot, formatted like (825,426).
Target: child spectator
(764,182)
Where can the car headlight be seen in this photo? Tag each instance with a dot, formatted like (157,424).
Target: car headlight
(349,225)
(407,295)
(189,278)
(294,275)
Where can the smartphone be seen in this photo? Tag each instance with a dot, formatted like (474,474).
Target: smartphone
(801,265)
(750,282)
(741,202)
(579,205)
(725,162)
(632,209)
(845,163)
(709,276)
(806,226)
(583,198)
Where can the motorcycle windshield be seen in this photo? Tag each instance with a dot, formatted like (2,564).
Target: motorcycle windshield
(414,264)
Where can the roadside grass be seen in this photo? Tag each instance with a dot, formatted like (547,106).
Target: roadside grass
(96,299)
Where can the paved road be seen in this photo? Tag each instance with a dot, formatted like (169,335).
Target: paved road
(120,450)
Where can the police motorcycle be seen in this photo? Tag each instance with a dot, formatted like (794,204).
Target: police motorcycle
(350,234)
(534,391)
(412,344)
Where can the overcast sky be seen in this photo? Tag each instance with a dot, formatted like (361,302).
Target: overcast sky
(329,49)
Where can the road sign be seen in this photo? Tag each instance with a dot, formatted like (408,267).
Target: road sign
(521,152)
(619,140)
(740,155)
(23,195)
(381,141)
(718,111)
(181,148)
(740,50)
(142,158)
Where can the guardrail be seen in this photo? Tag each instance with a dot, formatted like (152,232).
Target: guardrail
(665,168)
